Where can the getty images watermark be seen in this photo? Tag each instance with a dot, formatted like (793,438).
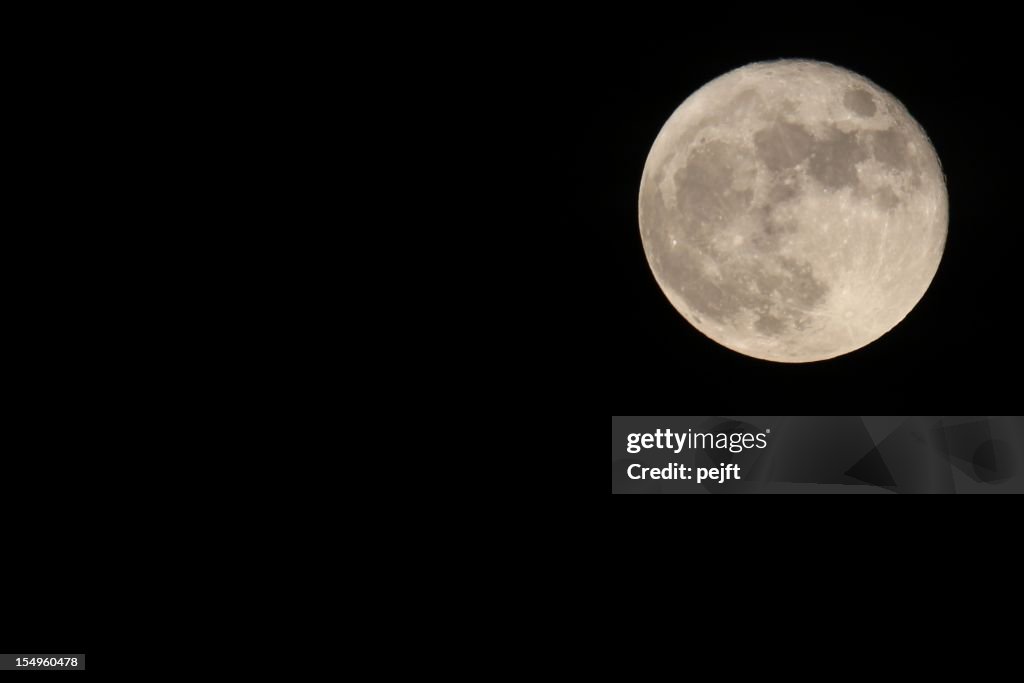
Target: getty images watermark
(666,439)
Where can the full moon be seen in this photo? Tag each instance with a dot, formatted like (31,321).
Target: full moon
(793,211)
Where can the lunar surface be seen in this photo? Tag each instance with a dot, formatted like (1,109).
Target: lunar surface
(793,211)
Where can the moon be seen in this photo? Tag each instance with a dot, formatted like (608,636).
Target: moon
(793,211)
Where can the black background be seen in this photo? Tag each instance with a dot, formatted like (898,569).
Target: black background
(957,351)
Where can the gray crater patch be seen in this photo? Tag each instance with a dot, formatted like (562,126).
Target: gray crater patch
(783,145)
(781,191)
(801,286)
(705,195)
(890,147)
(886,198)
(709,298)
(834,160)
(769,325)
(860,102)
(782,291)
(742,105)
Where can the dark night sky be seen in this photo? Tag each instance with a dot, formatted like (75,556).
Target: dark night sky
(957,351)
